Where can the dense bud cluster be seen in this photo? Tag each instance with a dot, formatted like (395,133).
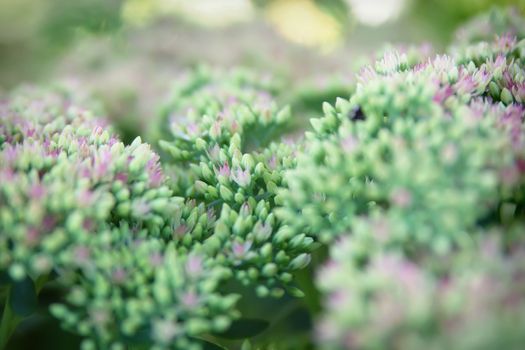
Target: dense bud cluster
(406,180)
(66,178)
(216,104)
(78,204)
(473,299)
(126,290)
(426,147)
(232,187)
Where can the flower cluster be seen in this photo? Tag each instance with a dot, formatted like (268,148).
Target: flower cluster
(425,147)
(214,104)
(126,290)
(415,182)
(501,62)
(473,299)
(76,203)
(65,176)
(411,180)
(232,188)
(33,112)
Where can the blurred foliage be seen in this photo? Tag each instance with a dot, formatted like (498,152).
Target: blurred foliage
(30,47)
(33,32)
(498,21)
(66,17)
(445,15)
(55,21)
(460,10)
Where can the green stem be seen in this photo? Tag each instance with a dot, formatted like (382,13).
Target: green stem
(9,322)
(305,279)
(40,283)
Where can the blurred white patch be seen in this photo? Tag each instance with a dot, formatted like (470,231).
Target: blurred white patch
(376,12)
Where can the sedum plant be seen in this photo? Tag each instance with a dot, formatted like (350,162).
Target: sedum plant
(427,145)
(59,170)
(231,177)
(125,290)
(80,207)
(411,181)
(241,100)
(472,299)
(396,222)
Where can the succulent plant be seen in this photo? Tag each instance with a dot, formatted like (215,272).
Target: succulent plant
(125,290)
(78,204)
(220,103)
(422,146)
(411,181)
(54,173)
(398,218)
(472,299)
(232,187)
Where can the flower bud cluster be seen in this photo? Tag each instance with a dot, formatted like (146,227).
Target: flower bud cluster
(232,189)
(411,181)
(125,290)
(424,147)
(470,299)
(78,204)
(214,105)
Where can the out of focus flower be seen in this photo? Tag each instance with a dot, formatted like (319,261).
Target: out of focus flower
(407,304)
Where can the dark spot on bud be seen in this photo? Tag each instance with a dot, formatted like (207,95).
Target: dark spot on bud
(356,114)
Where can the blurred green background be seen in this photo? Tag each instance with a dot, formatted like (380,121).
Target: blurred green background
(36,35)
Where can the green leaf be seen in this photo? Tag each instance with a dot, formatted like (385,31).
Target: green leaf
(245,328)
(208,345)
(23,297)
